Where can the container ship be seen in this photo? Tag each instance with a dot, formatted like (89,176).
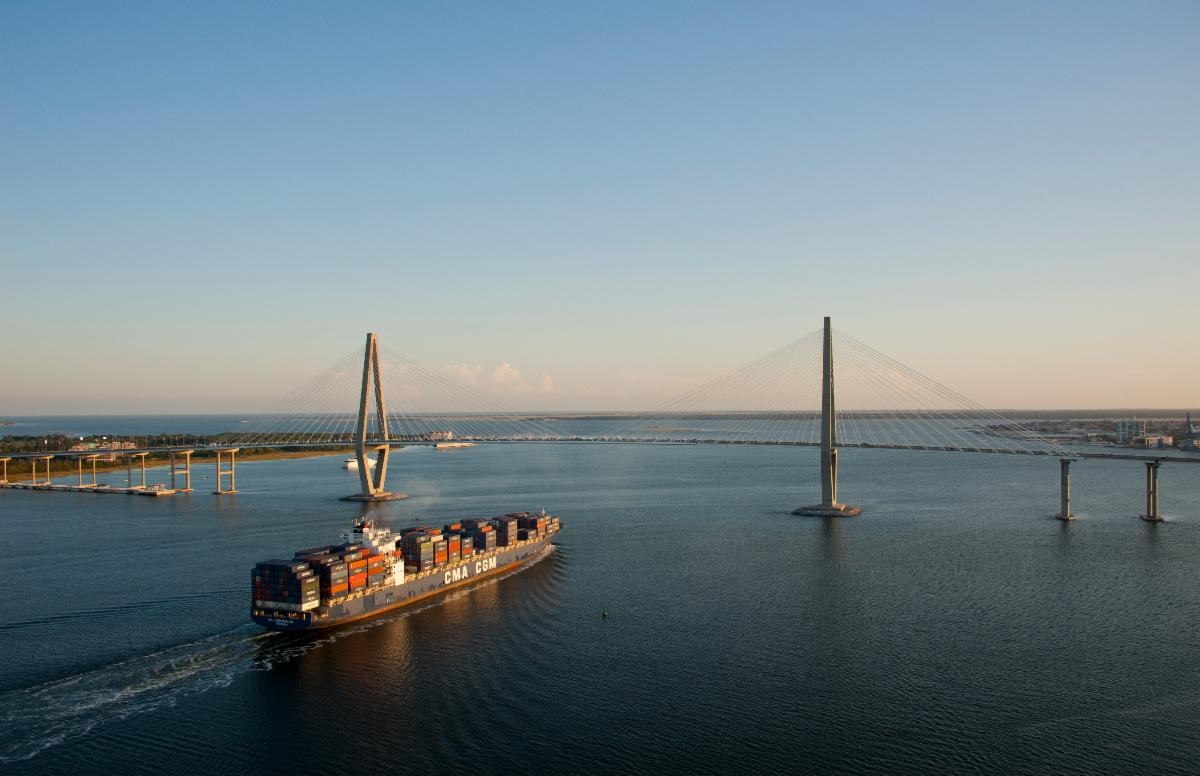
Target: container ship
(374,570)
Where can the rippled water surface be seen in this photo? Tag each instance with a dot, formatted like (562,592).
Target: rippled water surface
(955,626)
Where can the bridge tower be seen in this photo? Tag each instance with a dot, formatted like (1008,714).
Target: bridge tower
(372,481)
(1064,490)
(1152,514)
(829,506)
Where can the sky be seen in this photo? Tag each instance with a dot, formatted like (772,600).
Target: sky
(595,205)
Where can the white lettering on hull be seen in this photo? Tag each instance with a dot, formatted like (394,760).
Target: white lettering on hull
(462,572)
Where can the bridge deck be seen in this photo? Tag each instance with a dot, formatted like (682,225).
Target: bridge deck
(1162,456)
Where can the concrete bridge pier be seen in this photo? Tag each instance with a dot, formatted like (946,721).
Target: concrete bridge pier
(1152,514)
(79,482)
(129,471)
(4,470)
(1064,490)
(183,470)
(33,477)
(231,472)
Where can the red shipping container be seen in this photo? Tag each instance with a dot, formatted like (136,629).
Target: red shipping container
(358,580)
(440,557)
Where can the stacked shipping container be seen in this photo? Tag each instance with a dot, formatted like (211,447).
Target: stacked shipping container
(506,530)
(376,571)
(326,586)
(329,572)
(284,584)
(532,526)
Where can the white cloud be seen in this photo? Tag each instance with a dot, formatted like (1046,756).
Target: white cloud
(546,384)
(507,375)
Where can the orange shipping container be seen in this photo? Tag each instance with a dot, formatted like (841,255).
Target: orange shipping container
(440,557)
(357,564)
(358,580)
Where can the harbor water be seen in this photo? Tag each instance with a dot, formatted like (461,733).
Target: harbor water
(687,623)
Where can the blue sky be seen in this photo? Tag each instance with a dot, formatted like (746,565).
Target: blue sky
(202,207)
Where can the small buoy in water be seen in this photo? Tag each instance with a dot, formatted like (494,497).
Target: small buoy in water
(604,614)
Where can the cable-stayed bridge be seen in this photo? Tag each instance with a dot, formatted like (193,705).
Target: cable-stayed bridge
(376,399)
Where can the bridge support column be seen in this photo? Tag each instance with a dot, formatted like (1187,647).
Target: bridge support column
(1152,514)
(231,472)
(372,482)
(79,480)
(829,506)
(184,471)
(4,470)
(33,478)
(129,471)
(93,483)
(1064,490)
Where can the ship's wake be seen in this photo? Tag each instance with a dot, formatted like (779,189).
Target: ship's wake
(33,719)
(45,715)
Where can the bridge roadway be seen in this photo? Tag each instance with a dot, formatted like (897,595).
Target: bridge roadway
(349,444)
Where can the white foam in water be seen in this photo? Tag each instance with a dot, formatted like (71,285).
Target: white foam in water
(46,715)
(36,718)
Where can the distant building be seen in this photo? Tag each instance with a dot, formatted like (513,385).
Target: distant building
(1156,441)
(87,447)
(1129,429)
